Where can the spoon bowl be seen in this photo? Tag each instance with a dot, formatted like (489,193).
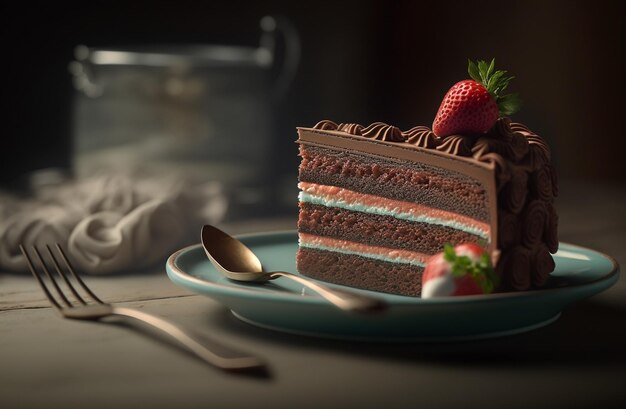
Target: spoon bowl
(237,262)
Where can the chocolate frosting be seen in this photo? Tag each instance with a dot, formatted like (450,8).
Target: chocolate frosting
(514,194)
(383,132)
(508,230)
(551,234)
(526,183)
(555,181)
(541,184)
(514,268)
(533,223)
(542,264)
(326,125)
(421,136)
(457,145)
(352,129)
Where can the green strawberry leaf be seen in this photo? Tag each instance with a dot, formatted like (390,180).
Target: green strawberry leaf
(472,70)
(496,81)
(509,104)
(481,271)
(491,67)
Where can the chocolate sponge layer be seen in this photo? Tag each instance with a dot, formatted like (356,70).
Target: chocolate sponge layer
(360,272)
(419,183)
(378,230)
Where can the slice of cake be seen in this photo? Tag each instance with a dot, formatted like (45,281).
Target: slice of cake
(376,203)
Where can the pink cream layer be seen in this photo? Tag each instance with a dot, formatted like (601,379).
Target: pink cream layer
(343,246)
(415,209)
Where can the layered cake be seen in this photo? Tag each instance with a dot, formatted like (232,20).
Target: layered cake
(376,203)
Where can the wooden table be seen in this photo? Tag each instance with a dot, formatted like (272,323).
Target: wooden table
(579,361)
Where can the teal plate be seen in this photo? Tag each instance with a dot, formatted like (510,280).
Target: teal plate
(284,305)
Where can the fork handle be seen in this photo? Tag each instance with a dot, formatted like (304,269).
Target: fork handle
(237,360)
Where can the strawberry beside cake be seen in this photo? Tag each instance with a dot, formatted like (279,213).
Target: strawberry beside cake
(377,204)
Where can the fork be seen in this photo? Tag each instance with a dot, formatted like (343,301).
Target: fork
(95,309)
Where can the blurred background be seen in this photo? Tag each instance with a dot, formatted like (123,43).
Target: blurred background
(217,90)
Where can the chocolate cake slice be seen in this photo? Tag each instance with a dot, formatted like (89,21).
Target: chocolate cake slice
(377,202)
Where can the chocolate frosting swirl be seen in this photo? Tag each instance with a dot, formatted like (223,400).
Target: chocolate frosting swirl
(352,129)
(514,268)
(539,154)
(551,234)
(508,229)
(541,184)
(458,145)
(383,132)
(513,195)
(422,137)
(533,139)
(534,221)
(503,141)
(555,181)
(542,264)
(326,125)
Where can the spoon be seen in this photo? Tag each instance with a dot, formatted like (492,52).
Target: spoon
(237,262)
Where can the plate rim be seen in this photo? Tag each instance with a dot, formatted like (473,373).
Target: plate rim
(401,300)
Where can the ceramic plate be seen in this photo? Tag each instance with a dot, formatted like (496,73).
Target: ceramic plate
(286,306)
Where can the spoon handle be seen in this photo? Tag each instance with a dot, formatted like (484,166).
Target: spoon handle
(346,300)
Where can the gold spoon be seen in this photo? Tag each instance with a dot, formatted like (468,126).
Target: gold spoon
(237,262)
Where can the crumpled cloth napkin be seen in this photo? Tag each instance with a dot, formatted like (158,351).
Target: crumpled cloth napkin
(109,223)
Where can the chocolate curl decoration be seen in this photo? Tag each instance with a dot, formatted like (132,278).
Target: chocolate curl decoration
(458,145)
(536,159)
(508,229)
(383,132)
(352,129)
(521,128)
(502,140)
(326,125)
(551,233)
(513,196)
(533,223)
(541,184)
(514,268)
(555,181)
(502,130)
(542,265)
(536,142)
(422,137)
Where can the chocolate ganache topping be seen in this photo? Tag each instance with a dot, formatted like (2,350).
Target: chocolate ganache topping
(457,145)
(543,263)
(526,184)
(534,220)
(352,129)
(383,132)
(421,136)
(514,267)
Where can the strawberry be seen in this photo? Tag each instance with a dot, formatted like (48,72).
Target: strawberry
(462,270)
(472,106)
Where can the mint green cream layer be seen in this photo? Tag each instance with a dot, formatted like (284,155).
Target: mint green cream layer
(359,207)
(379,257)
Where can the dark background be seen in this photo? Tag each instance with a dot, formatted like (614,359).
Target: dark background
(361,62)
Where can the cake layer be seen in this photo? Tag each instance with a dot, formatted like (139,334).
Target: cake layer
(332,196)
(380,253)
(412,182)
(360,272)
(374,229)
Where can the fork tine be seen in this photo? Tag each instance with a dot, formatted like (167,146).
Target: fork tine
(51,277)
(61,273)
(76,276)
(39,280)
